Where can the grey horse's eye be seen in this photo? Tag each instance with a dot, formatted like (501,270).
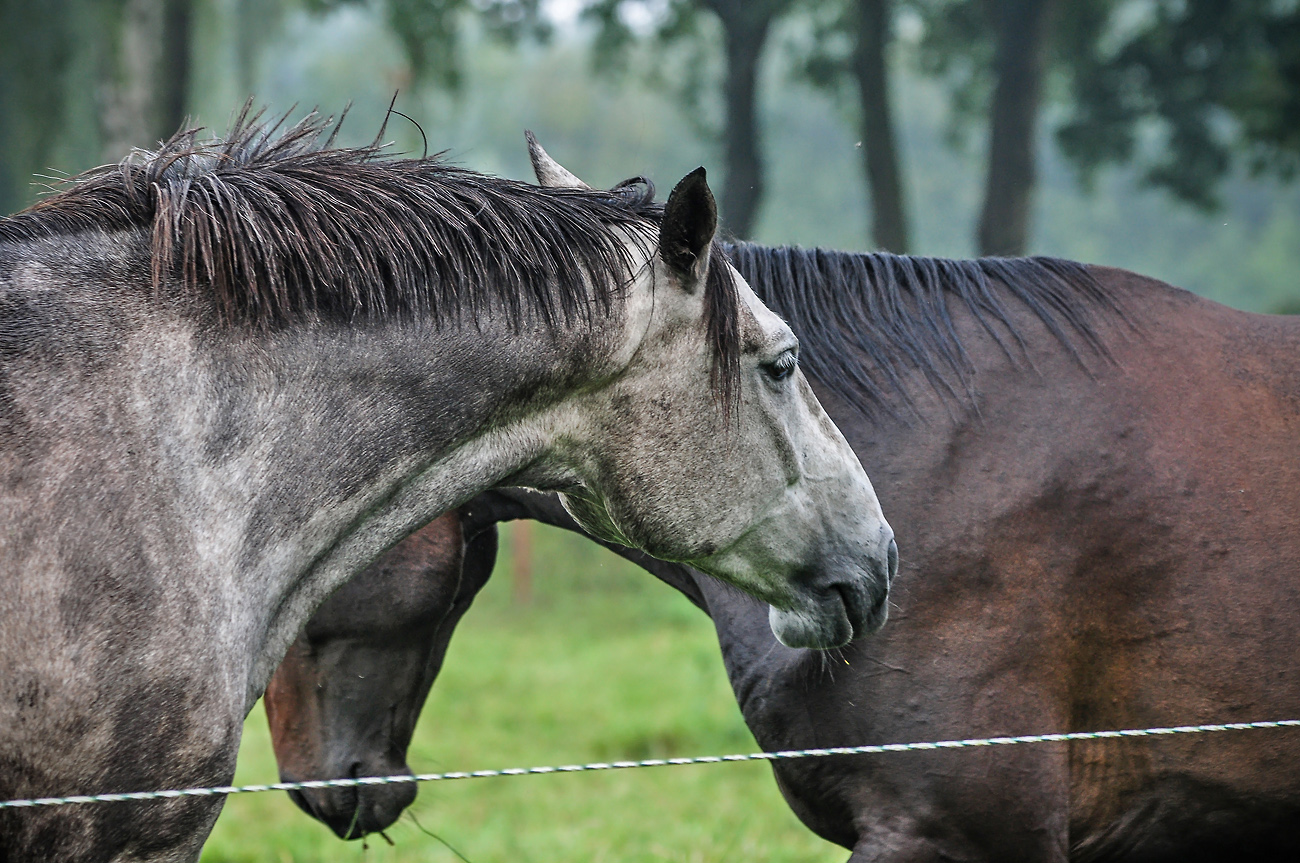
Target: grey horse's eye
(782,367)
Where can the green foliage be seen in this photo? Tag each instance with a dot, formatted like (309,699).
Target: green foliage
(957,48)
(1186,89)
(681,44)
(822,54)
(604,663)
(677,51)
(670,21)
(1219,83)
(32,62)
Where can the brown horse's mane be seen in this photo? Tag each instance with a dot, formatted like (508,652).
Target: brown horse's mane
(894,311)
(272,224)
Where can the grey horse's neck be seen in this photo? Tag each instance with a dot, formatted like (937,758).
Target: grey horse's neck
(120,405)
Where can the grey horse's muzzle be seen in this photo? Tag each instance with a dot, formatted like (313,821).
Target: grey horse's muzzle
(850,605)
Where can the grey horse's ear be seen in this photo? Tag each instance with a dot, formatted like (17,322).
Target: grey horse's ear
(550,172)
(686,234)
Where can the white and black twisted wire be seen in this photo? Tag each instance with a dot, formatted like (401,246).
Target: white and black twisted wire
(650,762)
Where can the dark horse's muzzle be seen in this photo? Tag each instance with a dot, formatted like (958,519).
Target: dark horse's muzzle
(354,812)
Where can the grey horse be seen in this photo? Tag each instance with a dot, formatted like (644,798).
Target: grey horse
(233,373)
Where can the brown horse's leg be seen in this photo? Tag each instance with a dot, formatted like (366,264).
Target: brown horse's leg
(894,848)
(972,806)
(911,847)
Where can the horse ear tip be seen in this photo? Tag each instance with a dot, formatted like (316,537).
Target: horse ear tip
(693,183)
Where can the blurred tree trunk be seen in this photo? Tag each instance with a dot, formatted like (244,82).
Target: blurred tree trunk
(143,95)
(879,147)
(250,30)
(745,24)
(1023,30)
(745,28)
(177,62)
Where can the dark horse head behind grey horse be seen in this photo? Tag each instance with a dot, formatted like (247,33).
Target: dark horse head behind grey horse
(1094,543)
(233,373)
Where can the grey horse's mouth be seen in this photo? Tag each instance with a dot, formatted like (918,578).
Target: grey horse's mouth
(834,615)
(865,609)
(869,620)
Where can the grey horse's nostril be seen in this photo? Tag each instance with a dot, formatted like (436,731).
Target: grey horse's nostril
(891,555)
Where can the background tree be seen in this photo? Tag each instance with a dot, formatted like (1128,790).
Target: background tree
(1218,83)
(995,55)
(746,25)
(256,25)
(144,88)
(35,53)
(83,81)
(431,31)
(850,46)
(1022,32)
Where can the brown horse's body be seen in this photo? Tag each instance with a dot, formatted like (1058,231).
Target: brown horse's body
(1088,543)
(1118,549)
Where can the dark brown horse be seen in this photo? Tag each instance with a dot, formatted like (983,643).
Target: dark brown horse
(1096,481)
(314,720)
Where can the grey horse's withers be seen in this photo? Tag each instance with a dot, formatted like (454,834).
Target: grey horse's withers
(233,374)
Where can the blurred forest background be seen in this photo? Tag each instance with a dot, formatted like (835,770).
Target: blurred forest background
(1158,135)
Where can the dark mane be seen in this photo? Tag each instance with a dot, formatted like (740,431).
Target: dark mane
(894,310)
(271,226)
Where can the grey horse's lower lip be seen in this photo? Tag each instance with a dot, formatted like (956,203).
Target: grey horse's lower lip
(849,607)
(820,625)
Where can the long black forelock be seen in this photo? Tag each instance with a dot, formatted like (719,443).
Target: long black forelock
(894,311)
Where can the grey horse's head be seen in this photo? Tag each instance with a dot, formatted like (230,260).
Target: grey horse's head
(766,495)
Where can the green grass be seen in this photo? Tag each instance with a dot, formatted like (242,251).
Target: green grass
(604,663)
